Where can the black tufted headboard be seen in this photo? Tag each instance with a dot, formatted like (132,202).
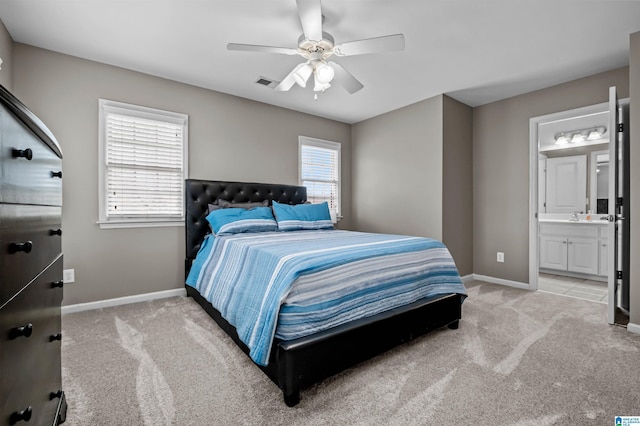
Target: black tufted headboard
(200,193)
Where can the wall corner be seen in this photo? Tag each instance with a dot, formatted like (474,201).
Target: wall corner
(6,54)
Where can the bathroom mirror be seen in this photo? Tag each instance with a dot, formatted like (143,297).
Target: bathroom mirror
(599,182)
(585,135)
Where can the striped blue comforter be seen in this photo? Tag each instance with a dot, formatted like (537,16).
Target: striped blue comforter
(292,284)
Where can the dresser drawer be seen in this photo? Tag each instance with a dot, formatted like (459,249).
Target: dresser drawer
(30,342)
(29,243)
(30,172)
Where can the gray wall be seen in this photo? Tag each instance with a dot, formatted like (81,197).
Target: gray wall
(457,174)
(412,174)
(397,171)
(229,139)
(6,53)
(634,110)
(501,168)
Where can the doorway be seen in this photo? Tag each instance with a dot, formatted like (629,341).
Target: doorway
(578,241)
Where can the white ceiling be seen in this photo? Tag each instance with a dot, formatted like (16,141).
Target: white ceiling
(475,51)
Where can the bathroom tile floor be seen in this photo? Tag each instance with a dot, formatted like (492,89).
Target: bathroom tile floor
(579,288)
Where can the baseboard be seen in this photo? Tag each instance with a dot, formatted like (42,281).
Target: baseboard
(123,300)
(493,280)
(467,278)
(634,328)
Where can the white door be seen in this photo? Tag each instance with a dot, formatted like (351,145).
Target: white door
(553,252)
(582,255)
(614,155)
(603,268)
(566,184)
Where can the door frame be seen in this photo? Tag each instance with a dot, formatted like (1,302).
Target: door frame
(534,122)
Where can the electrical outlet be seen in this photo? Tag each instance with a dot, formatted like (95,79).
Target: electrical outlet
(68,275)
(500,257)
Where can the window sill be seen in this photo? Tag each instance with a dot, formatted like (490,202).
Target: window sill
(115,224)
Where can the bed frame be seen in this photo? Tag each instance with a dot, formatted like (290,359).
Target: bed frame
(297,364)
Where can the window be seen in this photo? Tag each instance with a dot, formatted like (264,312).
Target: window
(143,164)
(319,168)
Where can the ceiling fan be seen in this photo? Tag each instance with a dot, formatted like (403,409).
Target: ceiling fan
(317,46)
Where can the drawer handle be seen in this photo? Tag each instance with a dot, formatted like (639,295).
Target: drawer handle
(57,174)
(18,247)
(24,331)
(24,415)
(54,395)
(55,232)
(57,284)
(55,337)
(604,245)
(22,153)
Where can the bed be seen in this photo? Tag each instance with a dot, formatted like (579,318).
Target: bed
(294,364)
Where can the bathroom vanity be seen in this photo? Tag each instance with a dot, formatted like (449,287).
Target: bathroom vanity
(574,248)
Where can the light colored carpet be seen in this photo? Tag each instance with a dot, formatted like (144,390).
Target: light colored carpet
(518,358)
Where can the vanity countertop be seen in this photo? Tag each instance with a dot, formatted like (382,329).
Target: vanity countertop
(572,222)
(566,218)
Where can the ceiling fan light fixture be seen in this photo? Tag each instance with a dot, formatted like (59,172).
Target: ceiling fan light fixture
(324,73)
(317,47)
(302,74)
(319,86)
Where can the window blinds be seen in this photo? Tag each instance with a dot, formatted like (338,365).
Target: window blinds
(319,172)
(144,167)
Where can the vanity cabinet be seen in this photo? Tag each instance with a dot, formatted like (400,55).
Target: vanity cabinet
(553,252)
(573,247)
(603,264)
(582,255)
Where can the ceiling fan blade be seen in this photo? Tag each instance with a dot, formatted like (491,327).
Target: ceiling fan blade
(310,12)
(287,82)
(257,48)
(371,45)
(345,79)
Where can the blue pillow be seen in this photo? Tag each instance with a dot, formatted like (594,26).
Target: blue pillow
(237,220)
(302,216)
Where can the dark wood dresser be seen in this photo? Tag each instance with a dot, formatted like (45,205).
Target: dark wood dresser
(30,268)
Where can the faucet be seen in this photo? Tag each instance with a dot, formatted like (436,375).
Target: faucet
(574,216)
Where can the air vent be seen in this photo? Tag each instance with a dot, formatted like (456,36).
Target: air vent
(267,82)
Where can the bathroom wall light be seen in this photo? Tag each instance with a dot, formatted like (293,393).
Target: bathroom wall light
(577,138)
(580,135)
(596,133)
(561,139)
